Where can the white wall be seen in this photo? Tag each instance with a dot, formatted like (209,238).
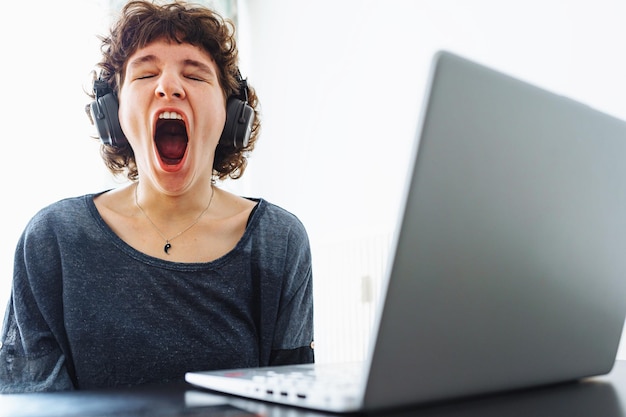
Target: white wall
(341,84)
(47,153)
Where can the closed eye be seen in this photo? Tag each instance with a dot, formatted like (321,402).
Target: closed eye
(195,78)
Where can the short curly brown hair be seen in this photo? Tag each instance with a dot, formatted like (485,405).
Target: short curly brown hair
(142,22)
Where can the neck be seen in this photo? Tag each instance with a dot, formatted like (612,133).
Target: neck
(166,235)
(171,208)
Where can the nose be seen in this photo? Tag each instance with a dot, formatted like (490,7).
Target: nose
(169,87)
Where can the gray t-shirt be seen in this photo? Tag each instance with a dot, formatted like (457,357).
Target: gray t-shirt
(89,311)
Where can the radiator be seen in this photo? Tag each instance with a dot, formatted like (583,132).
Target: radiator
(347,276)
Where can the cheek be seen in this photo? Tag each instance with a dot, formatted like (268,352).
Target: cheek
(122,114)
(221,119)
(213,121)
(129,120)
(222,115)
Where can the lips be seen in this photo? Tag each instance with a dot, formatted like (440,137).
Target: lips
(170,137)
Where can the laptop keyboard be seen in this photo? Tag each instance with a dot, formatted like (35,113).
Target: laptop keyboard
(332,386)
(322,382)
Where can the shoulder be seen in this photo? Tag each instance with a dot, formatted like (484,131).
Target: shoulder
(63,214)
(53,233)
(275,215)
(65,208)
(277,220)
(280,240)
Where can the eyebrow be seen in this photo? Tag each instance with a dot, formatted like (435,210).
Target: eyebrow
(199,65)
(142,60)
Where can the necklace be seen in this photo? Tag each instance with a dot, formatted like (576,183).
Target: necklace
(168,244)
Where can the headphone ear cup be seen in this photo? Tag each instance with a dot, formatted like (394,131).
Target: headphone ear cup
(104,113)
(238,126)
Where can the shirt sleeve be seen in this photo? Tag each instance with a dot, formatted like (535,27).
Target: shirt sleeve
(31,358)
(293,342)
(282,274)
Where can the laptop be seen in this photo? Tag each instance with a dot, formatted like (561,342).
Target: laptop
(508,267)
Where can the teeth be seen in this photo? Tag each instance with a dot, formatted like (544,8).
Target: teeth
(170,115)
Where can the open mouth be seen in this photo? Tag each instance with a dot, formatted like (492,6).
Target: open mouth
(170,137)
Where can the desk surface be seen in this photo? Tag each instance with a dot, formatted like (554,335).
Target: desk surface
(600,396)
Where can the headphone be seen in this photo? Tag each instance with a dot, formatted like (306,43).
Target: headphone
(104,115)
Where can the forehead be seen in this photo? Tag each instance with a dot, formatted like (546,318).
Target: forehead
(165,51)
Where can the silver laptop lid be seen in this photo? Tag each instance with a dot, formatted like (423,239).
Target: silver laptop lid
(509,267)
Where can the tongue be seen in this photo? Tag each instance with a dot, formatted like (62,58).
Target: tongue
(171,141)
(171,147)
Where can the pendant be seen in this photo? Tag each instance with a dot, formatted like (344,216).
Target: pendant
(167,247)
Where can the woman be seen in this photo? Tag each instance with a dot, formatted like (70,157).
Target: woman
(169,273)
